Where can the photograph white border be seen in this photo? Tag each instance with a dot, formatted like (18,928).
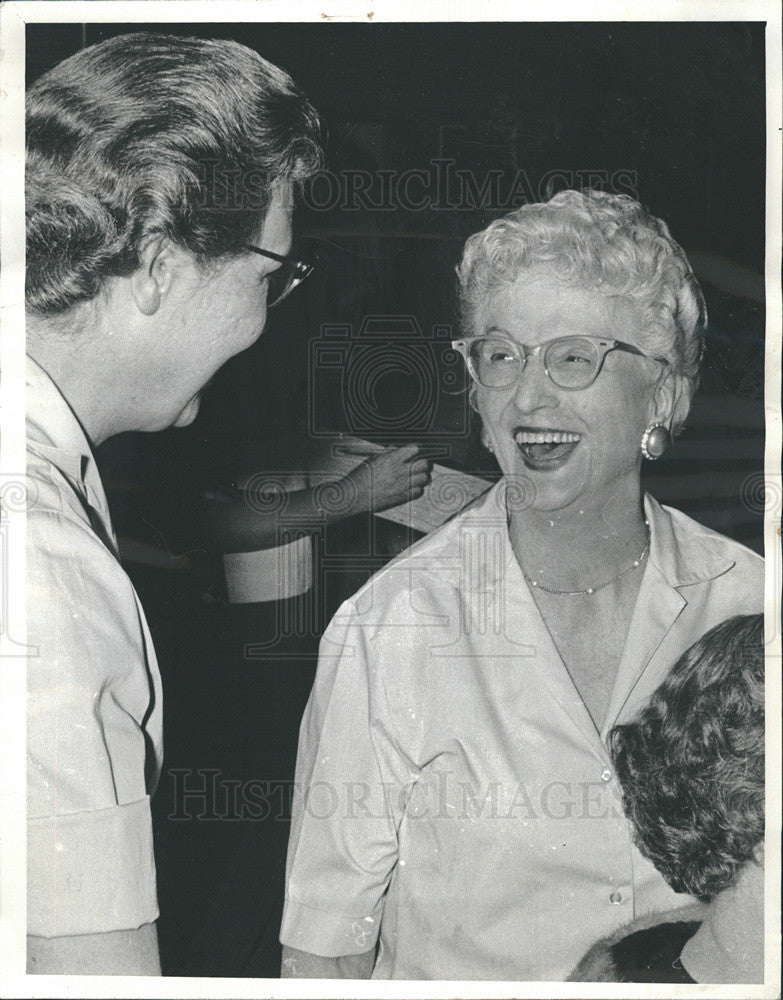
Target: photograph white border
(13,18)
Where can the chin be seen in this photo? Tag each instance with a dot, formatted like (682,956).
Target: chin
(189,413)
(537,490)
(531,497)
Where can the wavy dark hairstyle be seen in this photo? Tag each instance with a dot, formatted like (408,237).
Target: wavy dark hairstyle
(154,134)
(691,766)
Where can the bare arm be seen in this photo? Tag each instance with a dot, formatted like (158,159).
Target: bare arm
(245,520)
(302,965)
(113,953)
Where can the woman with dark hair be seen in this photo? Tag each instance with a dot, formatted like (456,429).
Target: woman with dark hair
(454,815)
(151,135)
(159,195)
(691,769)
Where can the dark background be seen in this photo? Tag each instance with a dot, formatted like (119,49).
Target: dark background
(673,114)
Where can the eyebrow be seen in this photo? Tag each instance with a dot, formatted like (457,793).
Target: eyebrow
(501,331)
(506,335)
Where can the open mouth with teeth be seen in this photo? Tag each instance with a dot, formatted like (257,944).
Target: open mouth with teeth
(544,448)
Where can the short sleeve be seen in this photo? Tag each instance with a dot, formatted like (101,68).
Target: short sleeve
(92,713)
(352,784)
(91,872)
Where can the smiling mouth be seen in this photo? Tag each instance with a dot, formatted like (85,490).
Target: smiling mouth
(545,447)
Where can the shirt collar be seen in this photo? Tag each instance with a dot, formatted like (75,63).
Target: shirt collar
(54,432)
(490,562)
(680,548)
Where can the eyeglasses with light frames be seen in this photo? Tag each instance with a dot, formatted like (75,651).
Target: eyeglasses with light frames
(570,362)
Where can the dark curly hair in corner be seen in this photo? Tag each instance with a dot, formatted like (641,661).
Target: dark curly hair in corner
(154,134)
(691,766)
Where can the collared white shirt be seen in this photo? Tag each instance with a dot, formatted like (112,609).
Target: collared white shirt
(452,791)
(94,737)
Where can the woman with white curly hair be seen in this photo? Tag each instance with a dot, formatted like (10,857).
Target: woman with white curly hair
(456,813)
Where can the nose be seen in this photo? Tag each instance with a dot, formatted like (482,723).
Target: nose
(534,389)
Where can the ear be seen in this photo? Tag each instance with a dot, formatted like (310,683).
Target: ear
(159,261)
(670,400)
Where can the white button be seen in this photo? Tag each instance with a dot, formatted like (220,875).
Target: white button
(606,775)
(615,897)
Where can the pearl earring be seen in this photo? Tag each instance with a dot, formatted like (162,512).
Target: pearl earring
(655,440)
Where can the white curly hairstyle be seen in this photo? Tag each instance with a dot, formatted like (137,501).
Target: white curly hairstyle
(601,241)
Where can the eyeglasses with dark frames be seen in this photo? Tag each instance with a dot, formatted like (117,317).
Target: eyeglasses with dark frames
(284,279)
(570,362)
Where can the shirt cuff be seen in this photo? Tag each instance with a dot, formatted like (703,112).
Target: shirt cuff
(91,872)
(328,934)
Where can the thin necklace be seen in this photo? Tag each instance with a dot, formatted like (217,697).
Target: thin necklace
(599,586)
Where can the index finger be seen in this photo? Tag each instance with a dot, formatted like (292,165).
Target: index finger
(355,447)
(407,452)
